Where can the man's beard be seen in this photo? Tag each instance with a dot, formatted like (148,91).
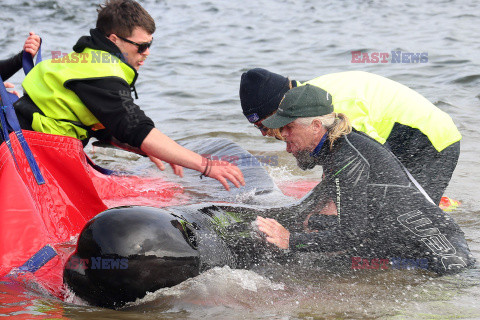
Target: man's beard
(305,160)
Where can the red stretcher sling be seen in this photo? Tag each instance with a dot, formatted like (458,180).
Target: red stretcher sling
(34,215)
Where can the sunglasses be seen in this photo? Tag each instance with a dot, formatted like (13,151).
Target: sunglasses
(142,47)
(274,133)
(260,127)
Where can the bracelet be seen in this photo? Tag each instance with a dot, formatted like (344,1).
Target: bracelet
(211,166)
(205,174)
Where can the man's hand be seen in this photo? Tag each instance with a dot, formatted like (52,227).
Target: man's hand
(10,85)
(178,170)
(275,232)
(32,44)
(223,171)
(158,145)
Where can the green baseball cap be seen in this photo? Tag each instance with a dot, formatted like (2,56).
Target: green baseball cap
(300,102)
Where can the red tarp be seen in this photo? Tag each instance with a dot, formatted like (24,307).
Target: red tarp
(32,215)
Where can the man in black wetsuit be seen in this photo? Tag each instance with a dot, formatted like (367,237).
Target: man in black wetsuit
(367,204)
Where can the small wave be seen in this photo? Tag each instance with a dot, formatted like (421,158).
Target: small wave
(467,79)
(358,49)
(70,297)
(104,150)
(178,94)
(451,39)
(452,62)
(465,15)
(280,173)
(47,4)
(220,284)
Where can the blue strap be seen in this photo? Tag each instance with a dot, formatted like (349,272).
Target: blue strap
(38,260)
(13,97)
(102,170)
(319,145)
(12,120)
(27,59)
(5,127)
(6,137)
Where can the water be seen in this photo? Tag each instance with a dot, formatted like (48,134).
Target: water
(189,86)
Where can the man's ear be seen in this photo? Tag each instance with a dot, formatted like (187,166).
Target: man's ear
(113,37)
(317,125)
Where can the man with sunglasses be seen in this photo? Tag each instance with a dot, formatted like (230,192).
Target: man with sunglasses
(420,135)
(87,93)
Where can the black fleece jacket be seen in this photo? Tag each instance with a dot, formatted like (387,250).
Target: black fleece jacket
(110,99)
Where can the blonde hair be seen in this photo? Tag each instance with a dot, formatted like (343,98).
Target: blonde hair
(337,125)
(274,133)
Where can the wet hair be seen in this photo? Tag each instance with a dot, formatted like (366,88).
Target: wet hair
(274,133)
(337,125)
(121,17)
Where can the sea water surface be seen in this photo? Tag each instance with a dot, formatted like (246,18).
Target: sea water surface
(189,87)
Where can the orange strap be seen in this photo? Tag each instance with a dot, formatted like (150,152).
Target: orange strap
(97,126)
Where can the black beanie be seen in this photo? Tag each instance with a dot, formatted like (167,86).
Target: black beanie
(261,92)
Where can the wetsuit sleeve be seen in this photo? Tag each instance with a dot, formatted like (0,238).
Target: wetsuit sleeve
(110,101)
(9,67)
(347,188)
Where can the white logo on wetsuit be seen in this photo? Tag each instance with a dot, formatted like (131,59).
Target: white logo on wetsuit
(431,237)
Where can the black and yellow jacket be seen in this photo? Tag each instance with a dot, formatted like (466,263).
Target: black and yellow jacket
(85,93)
